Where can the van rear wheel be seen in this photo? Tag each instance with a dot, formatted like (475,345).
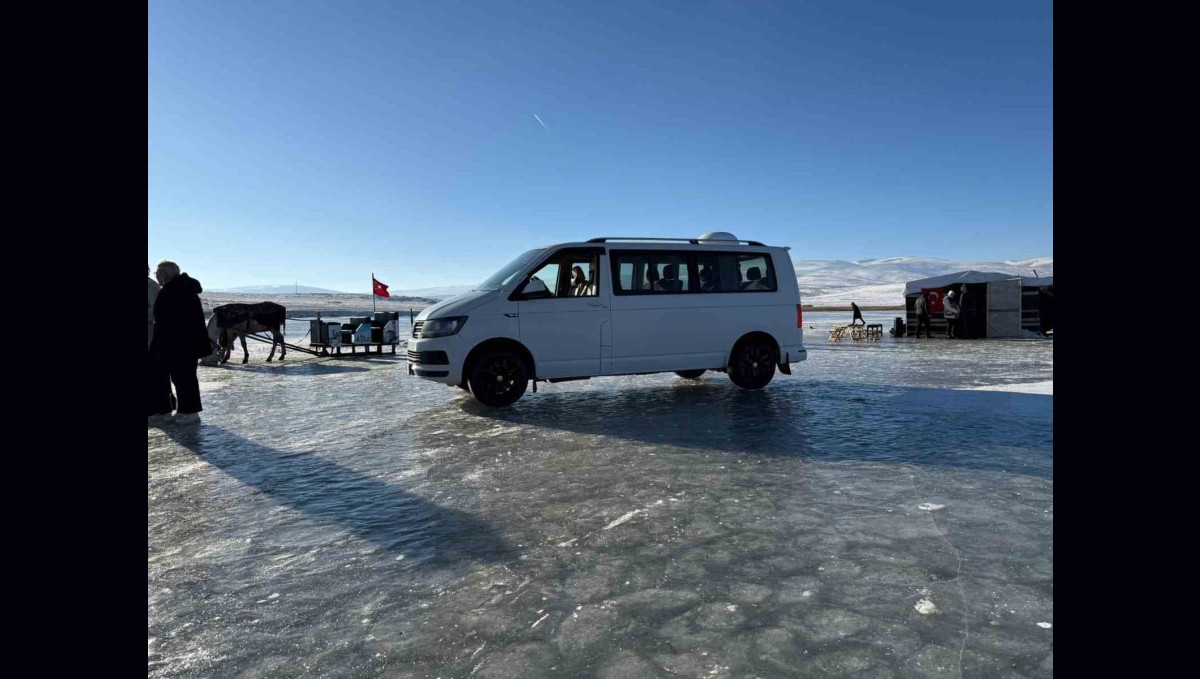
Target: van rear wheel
(752,365)
(689,374)
(498,379)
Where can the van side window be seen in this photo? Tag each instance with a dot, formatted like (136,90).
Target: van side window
(625,275)
(571,273)
(646,272)
(755,272)
(672,273)
(735,272)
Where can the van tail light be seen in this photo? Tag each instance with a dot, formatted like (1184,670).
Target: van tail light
(799,316)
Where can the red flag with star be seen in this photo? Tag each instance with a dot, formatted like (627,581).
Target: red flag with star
(380,288)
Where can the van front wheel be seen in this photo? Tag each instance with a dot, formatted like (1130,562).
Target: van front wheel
(752,365)
(689,374)
(498,378)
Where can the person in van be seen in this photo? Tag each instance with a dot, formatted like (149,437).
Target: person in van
(651,279)
(708,281)
(579,283)
(669,281)
(754,280)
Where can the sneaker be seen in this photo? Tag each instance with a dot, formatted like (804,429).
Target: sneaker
(188,418)
(160,418)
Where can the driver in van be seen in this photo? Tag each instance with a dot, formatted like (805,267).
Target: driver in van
(579,283)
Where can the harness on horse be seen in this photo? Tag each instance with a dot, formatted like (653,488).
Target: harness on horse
(265,313)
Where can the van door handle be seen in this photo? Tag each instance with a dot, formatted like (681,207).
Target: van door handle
(599,304)
(511,315)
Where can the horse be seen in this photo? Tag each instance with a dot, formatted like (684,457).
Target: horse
(238,320)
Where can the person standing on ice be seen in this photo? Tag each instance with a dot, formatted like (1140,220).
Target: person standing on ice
(857,315)
(152,368)
(951,309)
(922,308)
(967,311)
(180,338)
(152,288)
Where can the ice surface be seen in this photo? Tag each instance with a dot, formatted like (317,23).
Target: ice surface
(338,517)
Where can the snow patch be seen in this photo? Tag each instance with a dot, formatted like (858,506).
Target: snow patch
(1046,388)
(622,519)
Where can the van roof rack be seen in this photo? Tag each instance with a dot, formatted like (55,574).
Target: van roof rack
(693,241)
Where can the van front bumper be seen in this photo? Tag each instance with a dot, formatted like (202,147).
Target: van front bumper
(438,359)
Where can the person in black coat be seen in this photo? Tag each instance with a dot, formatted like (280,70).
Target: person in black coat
(922,309)
(857,315)
(969,308)
(180,339)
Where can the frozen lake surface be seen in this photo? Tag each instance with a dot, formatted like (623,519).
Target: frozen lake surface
(886,511)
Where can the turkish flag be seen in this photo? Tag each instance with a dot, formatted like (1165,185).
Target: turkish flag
(934,297)
(380,288)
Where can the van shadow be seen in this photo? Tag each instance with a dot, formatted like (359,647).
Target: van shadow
(997,431)
(385,515)
(383,359)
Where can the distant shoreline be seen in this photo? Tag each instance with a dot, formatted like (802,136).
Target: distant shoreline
(308,305)
(848,308)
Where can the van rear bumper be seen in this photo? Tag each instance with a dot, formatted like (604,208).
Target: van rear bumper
(789,355)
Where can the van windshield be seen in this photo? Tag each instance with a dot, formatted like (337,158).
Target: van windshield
(505,274)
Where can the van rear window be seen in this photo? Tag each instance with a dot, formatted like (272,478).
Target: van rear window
(735,272)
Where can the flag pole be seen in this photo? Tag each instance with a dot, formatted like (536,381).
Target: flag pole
(372,292)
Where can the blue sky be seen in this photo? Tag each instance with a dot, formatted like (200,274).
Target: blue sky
(318,142)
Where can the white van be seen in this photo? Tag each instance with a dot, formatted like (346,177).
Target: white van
(617,306)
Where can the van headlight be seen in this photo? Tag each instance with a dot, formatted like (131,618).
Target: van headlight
(442,327)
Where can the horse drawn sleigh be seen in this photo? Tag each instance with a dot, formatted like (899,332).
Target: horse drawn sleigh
(230,322)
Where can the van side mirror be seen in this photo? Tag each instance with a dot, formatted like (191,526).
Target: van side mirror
(535,289)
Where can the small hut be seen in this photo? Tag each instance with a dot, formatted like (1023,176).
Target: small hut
(997,304)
